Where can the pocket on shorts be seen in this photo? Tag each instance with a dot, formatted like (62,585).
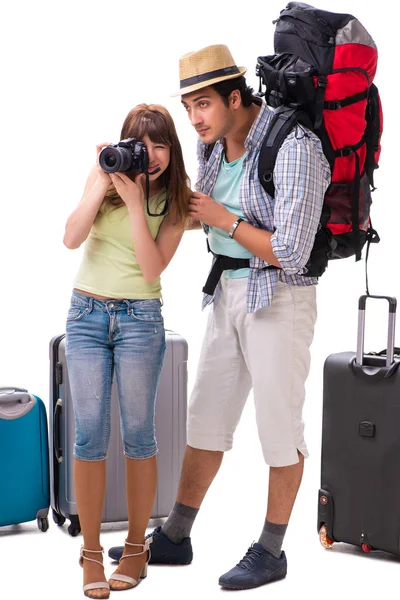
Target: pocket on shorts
(78,308)
(147,311)
(283,294)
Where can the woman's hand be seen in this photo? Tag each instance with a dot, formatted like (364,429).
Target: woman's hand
(205,209)
(130,191)
(102,175)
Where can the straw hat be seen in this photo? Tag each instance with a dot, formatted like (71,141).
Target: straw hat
(205,67)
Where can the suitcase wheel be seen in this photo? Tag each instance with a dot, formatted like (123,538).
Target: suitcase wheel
(74,530)
(58,519)
(366,548)
(43,523)
(326,542)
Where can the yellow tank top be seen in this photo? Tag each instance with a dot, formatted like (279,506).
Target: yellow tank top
(109,267)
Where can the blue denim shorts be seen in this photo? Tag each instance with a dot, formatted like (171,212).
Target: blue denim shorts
(125,335)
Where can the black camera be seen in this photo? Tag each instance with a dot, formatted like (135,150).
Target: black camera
(128,155)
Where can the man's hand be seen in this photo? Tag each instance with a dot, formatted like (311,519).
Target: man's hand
(206,209)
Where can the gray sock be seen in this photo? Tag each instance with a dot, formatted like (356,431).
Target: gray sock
(271,538)
(180,522)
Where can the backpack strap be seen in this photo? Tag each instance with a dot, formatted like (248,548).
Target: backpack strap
(372,238)
(222,263)
(372,134)
(320,101)
(208,151)
(282,123)
(355,202)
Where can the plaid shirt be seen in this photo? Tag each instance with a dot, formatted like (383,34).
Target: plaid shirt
(301,177)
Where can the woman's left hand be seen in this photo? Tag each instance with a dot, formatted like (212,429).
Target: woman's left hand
(130,191)
(208,211)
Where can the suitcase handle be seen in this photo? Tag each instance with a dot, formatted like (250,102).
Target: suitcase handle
(361,328)
(15,403)
(57,427)
(11,390)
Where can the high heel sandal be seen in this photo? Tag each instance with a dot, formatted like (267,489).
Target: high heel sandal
(98,585)
(125,578)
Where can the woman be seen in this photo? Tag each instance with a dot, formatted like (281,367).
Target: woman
(115,321)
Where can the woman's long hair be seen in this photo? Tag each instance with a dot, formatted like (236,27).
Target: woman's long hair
(155,121)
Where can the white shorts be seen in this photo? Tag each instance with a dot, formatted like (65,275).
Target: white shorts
(269,351)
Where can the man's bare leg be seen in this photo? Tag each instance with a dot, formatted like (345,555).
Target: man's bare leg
(284,483)
(198,471)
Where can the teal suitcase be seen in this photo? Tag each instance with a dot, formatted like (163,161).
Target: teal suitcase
(24,459)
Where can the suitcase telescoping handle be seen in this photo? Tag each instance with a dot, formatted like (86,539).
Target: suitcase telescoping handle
(391,328)
(15,402)
(57,431)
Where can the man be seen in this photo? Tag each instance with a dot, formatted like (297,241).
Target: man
(262,311)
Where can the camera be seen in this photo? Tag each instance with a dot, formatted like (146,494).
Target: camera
(128,155)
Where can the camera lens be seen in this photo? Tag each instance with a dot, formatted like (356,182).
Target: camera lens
(126,157)
(110,159)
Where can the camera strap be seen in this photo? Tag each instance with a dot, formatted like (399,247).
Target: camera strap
(164,210)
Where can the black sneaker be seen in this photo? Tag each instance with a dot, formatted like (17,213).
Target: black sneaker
(162,550)
(256,568)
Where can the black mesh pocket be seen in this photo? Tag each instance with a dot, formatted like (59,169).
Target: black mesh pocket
(339,199)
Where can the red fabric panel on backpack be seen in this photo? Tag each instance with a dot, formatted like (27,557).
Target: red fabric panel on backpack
(344,84)
(337,229)
(346,125)
(345,166)
(356,55)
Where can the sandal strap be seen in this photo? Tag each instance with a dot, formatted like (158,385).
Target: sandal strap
(124,579)
(145,547)
(83,557)
(98,585)
(93,551)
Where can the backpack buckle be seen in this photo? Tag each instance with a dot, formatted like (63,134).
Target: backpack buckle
(267,177)
(322,81)
(333,105)
(343,152)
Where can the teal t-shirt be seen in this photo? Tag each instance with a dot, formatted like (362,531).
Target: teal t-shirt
(226,192)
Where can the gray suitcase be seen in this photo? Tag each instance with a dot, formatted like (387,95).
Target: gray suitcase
(170,432)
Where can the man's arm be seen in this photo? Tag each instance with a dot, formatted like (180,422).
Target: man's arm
(301,177)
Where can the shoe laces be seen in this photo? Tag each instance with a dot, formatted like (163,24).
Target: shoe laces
(250,559)
(154,535)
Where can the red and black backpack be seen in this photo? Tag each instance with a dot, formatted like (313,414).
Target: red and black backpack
(321,76)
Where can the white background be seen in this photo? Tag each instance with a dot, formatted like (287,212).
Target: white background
(70,73)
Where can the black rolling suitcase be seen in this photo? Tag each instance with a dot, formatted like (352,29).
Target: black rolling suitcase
(359,499)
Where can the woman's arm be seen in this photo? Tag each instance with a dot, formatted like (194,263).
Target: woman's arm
(192,224)
(80,222)
(152,256)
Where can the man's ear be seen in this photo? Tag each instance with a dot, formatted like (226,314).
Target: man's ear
(235,99)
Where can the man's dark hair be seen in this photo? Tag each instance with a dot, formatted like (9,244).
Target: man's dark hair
(224,89)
